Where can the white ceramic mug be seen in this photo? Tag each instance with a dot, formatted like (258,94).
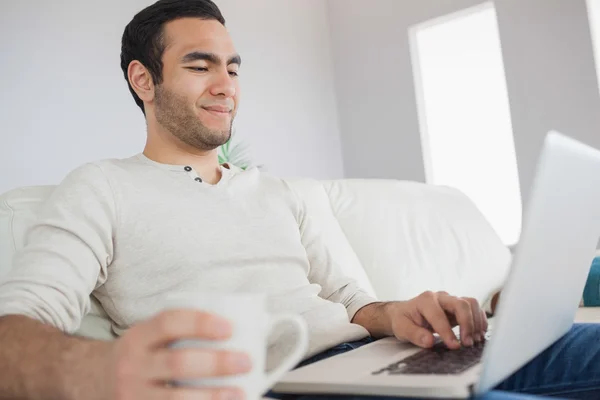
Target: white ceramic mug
(247,312)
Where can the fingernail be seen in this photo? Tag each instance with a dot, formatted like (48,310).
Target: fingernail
(424,340)
(223,328)
(468,341)
(477,337)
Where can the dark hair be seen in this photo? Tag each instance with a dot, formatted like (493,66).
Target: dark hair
(143,38)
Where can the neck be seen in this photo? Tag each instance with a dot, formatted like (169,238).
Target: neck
(166,149)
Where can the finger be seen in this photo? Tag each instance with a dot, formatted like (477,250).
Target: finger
(417,335)
(193,363)
(172,325)
(477,322)
(461,309)
(429,306)
(189,393)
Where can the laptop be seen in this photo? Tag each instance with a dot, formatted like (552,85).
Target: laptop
(537,307)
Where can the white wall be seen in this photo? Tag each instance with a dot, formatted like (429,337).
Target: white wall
(548,63)
(551,77)
(288,108)
(64,100)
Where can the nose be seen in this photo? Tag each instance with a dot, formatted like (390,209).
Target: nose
(223,84)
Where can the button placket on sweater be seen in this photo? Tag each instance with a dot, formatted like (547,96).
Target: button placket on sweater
(192,174)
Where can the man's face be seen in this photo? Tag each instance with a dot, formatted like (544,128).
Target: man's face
(198,98)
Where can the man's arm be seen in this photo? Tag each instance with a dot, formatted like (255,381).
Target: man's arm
(46,292)
(66,254)
(38,361)
(414,320)
(336,285)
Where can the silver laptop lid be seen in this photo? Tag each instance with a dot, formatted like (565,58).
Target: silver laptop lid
(557,245)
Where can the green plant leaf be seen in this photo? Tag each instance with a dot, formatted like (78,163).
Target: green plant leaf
(235,152)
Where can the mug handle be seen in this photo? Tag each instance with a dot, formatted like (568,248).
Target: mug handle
(296,355)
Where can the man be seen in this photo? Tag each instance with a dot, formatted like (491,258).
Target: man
(171,220)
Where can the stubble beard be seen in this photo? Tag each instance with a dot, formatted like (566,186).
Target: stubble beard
(173,113)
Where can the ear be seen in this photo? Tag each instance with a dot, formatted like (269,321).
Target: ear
(141,81)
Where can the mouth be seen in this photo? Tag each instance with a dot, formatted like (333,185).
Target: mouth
(218,111)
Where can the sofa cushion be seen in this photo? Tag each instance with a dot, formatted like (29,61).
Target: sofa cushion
(17,211)
(412,237)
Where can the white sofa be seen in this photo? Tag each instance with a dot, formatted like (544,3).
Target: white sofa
(396,238)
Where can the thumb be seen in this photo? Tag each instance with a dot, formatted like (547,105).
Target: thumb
(417,335)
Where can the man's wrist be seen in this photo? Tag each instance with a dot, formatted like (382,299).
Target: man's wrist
(375,318)
(83,364)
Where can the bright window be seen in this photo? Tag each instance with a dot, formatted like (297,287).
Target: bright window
(464,113)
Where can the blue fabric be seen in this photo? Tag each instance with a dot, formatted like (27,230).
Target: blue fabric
(591,293)
(570,368)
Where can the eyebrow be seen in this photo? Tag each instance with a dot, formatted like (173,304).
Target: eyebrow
(210,57)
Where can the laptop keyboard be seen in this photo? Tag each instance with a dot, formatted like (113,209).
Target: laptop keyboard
(438,360)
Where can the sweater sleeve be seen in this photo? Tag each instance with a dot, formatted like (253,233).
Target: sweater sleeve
(325,271)
(66,253)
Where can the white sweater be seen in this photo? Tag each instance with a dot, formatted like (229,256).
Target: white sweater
(130,231)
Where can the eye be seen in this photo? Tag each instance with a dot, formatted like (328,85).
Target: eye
(199,69)
(233,73)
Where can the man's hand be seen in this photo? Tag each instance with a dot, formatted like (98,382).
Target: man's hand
(418,319)
(141,364)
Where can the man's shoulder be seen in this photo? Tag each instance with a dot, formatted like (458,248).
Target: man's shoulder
(117,165)
(92,184)
(103,169)
(279,188)
(97,176)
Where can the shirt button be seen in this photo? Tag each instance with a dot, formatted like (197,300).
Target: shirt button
(188,168)
(198,180)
